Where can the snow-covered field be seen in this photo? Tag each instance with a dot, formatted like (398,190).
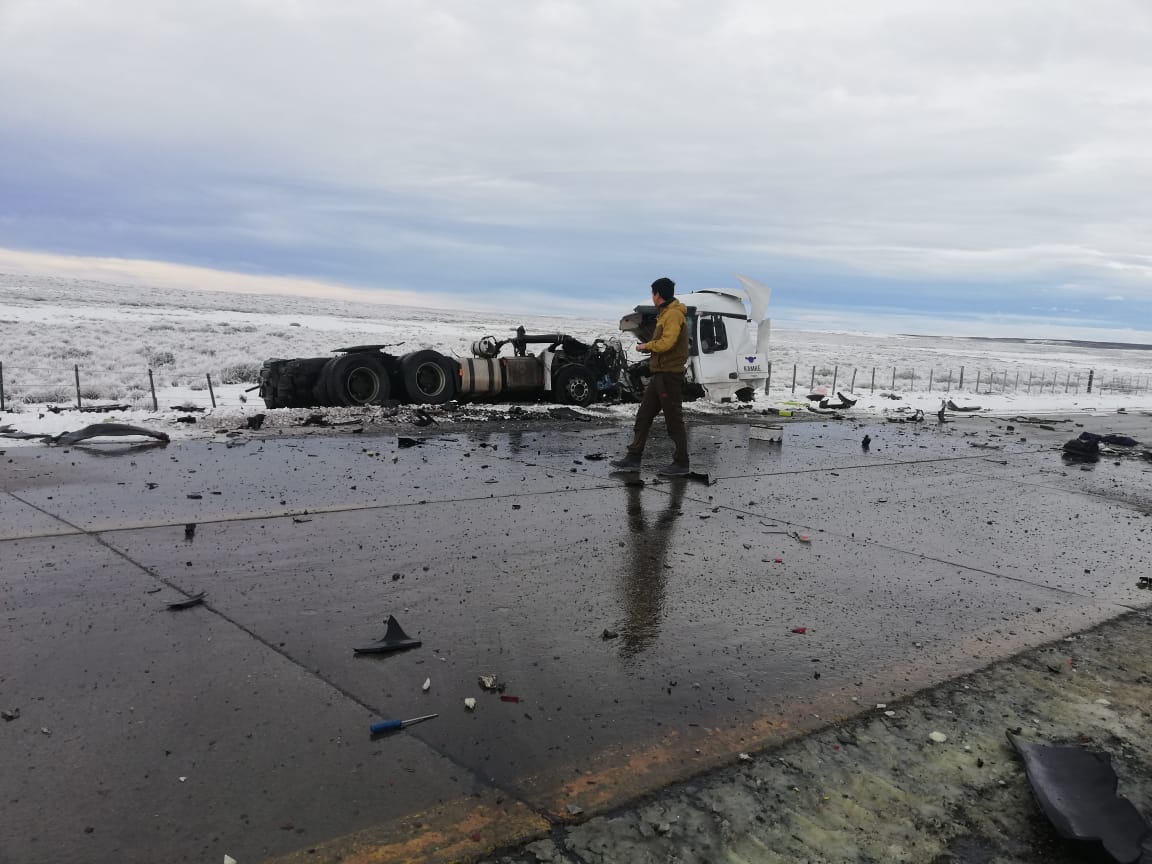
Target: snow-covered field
(113,334)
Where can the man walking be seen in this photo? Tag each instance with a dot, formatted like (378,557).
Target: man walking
(669,349)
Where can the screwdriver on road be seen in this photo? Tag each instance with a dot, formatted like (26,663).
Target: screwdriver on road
(392,725)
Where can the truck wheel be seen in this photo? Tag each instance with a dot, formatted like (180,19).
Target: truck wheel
(354,379)
(271,374)
(429,377)
(573,385)
(745,394)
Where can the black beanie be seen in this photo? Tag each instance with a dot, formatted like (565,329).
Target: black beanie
(665,287)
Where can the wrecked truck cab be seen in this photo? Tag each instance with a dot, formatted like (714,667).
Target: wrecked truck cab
(727,341)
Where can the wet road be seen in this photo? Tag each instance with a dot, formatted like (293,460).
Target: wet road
(241,726)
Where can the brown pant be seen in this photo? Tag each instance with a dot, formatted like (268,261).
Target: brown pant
(663,393)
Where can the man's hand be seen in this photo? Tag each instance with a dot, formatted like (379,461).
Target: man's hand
(642,347)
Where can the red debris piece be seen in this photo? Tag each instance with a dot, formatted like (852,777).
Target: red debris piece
(475,838)
(778,560)
(800,630)
(509,698)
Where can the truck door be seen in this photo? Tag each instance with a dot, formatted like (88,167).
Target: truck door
(714,357)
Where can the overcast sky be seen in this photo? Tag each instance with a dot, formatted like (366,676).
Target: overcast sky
(983,160)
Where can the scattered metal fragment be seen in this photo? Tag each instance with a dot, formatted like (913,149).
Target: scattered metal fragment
(1076,789)
(188,602)
(609,634)
(10,714)
(952,406)
(491,682)
(470,703)
(394,639)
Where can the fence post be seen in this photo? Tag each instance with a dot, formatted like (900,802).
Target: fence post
(211,395)
(873,380)
(930,373)
(768,383)
(977,382)
(1091,372)
(793,379)
(912,386)
(835,375)
(152,387)
(1066,380)
(851,387)
(1016,386)
(893,378)
(948,386)
(1029,390)
(1,386)
(960,386)
(76,369)
(812,384)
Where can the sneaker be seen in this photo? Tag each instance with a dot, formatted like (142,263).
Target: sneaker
(675,470)
(626,463)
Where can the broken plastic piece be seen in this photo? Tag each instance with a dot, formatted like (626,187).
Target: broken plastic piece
(509,698)
(427,685)
(395,639)
(489,682)
(800,630)
(188,602)
(470,703)
(938,737)
(1076,789)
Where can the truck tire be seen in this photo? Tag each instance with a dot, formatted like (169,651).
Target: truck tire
(574,385)
(270,375)
(297,381)
(429,377)
(353,379)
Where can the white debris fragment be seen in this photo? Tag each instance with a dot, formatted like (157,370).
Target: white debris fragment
(889,713)
(182,779)
(470,704)
(228,859)
(1103,702)
(938,737)
(427,685)
(744,757)
(881,705)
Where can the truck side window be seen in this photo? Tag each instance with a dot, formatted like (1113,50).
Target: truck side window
(713,336)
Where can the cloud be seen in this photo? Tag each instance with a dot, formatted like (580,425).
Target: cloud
(529,146)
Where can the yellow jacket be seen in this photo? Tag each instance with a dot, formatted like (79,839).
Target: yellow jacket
(669,343)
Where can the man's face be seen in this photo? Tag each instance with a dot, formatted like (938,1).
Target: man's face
(656,299)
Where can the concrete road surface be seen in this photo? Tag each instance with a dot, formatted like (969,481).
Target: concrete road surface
(641,631)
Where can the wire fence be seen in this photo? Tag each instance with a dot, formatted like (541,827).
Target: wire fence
(960,379)
(69,385)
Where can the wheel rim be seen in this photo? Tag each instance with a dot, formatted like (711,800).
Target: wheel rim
(578,389)
(363,385)
(430,379)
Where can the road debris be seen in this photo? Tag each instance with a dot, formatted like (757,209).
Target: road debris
(187,603)
(10,714)
(105,430)
(427,685)
(937,737)
(394,639)
(470,703)
(491,683)
(1076,789)
(383,726)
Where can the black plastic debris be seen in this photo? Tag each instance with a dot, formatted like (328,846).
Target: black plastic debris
(188,419)
(952,406)
(865,443)
(1078,450)
(101,430)
(423,418)
(845,402)
(10,714)
(609,634)
(594,457)
(255,421)
(187,603)
(402,442)
(1111,438)
(1144,582)
(395,639)
(1076,789)
(189,530)
(315,420)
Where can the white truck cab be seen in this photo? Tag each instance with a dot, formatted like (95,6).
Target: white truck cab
(727,341)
